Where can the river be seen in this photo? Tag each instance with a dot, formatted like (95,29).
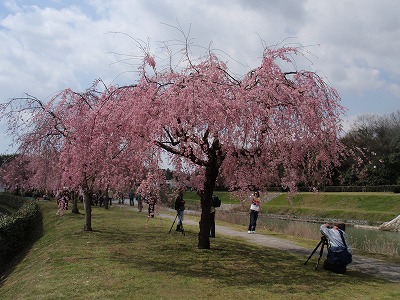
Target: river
(361,238)
(374,241)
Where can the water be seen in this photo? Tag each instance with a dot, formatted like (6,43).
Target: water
(359,237)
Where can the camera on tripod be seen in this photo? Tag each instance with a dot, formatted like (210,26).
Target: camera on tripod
(323,243)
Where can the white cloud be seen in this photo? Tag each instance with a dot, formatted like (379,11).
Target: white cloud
(53,44)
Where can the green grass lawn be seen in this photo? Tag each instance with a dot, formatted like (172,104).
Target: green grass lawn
(372,207)
(127,257)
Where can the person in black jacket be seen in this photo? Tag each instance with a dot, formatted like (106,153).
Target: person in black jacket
(180,208)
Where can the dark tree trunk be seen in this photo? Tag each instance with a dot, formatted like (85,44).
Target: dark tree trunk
(75,198)
(206,196)
(87,199)
(106,199)
(204,234)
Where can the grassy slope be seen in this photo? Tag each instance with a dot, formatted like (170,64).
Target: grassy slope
(372,207)
(127,258)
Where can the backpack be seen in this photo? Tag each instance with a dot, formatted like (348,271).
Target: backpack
(215,202)
(340,255)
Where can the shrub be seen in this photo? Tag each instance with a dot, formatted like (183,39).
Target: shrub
(18,229)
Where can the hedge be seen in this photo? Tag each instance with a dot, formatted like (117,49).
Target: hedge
(18,230)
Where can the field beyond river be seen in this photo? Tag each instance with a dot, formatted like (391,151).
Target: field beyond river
(353,208)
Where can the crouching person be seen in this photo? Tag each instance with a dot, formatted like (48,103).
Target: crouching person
(339,253)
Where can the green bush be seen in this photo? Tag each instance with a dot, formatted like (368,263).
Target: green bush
(18,229)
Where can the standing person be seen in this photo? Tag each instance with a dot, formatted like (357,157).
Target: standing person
(255,208)
(152,206)
(215,202)
(180,208)
(121,199)
(339,253)
(139,201)
(131,198)
(63,202)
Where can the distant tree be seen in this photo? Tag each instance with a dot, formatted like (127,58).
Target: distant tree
(75,141)
(5,160)
(375,138)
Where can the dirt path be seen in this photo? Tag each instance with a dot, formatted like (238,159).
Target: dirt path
(374,267)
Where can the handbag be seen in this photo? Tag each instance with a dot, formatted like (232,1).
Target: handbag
(348,257)
(254,207)
(340,255)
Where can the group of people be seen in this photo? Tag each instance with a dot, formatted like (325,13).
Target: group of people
(138,197)
(100,199)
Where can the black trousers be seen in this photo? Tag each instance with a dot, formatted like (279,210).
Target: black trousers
(212,224)
(337,268)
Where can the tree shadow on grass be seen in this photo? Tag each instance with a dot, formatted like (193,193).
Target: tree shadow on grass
(229,262)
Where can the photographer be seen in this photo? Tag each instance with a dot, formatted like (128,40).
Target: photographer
(180,208)
(339,254)
(255,208)
(215,202)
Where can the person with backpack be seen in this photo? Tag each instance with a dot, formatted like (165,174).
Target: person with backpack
(339,253)
(180,208)
(215,202)
(131,198)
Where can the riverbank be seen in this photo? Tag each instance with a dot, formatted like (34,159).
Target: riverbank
(365,209)
(364,238)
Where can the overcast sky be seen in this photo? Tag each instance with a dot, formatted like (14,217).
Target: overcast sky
(50,45)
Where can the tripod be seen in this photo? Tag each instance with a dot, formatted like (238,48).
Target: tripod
(182,230)
(323,242)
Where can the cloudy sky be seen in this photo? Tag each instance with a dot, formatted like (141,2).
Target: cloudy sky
(50,45)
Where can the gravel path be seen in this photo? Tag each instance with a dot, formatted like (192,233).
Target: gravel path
(374,267)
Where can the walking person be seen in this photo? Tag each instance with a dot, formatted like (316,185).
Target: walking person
(180,208)
(152,206)
(255,208)
(131,198)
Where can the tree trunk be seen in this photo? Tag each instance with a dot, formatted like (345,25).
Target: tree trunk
(106,199)
(206,196)
(87,200)
(204,234)
(75,198)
